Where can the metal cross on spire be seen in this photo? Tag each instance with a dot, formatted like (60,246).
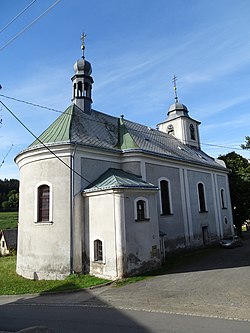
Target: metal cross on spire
(175,88)
(83,45)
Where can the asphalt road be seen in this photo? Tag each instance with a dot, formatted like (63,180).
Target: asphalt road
(207,291)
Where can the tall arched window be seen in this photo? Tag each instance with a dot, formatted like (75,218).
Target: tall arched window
(98,251)
(43,203)
(202,199)
(222,197)
(165,197)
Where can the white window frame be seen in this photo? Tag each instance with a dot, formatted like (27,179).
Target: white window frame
(169,193)
(50,202)
(146,208)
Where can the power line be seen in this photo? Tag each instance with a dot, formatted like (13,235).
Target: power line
(98,121)
(29,103)
(8,24)
(12,113)
(29,25)
(6,155)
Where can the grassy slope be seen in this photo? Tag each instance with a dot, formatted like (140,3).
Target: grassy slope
(8,220)
(13,284)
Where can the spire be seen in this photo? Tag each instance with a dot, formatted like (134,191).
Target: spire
(83,44)
(175,88)
(82,82)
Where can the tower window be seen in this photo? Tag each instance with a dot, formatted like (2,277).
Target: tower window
(98,251)
(43,203)
(192,132)
(202,199)
(170,129)
(79,89)
(165,197)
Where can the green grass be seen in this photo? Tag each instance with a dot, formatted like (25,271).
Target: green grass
(13,284)
(8,220)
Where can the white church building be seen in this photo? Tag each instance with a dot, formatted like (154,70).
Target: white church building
(110,197)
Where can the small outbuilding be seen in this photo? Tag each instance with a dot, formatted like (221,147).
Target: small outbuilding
(8,241)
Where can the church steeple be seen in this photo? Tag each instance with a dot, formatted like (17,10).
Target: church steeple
(82,82)
(180,124)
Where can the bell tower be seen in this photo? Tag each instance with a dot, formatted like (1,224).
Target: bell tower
(179,124)
(82,82)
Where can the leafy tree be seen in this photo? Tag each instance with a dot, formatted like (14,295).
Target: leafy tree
(239,182)
(7,196)
(247,144)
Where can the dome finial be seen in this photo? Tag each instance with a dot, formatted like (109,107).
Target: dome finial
(175,88)
(83,45)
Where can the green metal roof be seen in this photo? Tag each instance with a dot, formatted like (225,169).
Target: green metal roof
(59,130)
(116,178)
(125,140)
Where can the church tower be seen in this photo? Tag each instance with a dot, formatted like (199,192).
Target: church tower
(82,82)
(180,125)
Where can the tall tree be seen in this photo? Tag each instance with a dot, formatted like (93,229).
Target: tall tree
(239,182)
(247,144)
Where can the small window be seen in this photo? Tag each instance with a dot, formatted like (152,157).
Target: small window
(79,89)
(202,199)
(140,205)
(43,203)
(222,197)
(225,220)
(3,243)
(165,197)
(98,252)
(192,132)
(141,209)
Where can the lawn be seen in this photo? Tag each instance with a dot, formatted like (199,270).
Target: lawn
(8,220)
(13,284)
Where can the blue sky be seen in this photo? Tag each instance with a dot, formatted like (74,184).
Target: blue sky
(135,47)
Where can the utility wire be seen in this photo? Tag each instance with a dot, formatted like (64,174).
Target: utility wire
(29,25)
(6,155)
(8,24)
(43,143)
(98,121)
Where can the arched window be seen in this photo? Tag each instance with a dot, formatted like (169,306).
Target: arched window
(141,209)
(79,89)
(222,197)
(202,199)
(192,132)
(43,203)
(165,197)
(98,251)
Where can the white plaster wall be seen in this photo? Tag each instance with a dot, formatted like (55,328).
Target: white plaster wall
(141,236)
(101,215)
(44,248)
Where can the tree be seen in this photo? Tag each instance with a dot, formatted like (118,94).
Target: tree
(8,198)
(239,183)
(247,144)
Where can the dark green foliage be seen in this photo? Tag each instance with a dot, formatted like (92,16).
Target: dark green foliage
(239,182)
(247,144)
(9,195)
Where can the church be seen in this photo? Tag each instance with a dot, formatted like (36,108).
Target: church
(109,197)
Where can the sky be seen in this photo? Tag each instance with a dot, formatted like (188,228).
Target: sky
(135,47)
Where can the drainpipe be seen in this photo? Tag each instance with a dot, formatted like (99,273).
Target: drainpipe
(72,205)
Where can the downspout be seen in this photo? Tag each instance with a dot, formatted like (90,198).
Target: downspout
(72,206)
